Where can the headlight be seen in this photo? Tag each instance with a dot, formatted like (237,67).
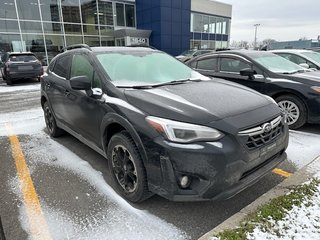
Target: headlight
(316,88)
(183,132)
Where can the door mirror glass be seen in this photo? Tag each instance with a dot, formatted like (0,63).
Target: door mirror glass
(247,72)
(80,83)
(304,65)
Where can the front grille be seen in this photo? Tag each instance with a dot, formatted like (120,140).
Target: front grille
(261,135)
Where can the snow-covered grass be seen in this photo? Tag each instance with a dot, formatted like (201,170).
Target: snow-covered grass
(293,216)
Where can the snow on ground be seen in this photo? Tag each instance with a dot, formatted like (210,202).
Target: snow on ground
(15,88)
(300,223)
(303,147)
(125,221)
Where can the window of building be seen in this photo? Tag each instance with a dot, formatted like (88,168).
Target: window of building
(11,43)
(7,9)
(89,11)
(30,27)
(9,26)
(209,64)
(50,10)
(120,14)
(62,66)
(233,65)
(130,15)
(28,9)
(105,13)
(70,11)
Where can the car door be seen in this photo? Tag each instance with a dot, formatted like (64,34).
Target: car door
(229,67)
(56,85)
(85,112)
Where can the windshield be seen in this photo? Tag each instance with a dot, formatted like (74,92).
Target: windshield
(188,53)
(312,55)
(145,68)
(275,63)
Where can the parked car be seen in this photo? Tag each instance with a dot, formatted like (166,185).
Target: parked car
(163,127)
(302,57)
(187,55)
(19,65)
(295,89)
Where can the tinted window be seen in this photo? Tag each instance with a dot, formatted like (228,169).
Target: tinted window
(233,65)
(51,66)
(82,67)
(62,66)
(207,64)
(22,58)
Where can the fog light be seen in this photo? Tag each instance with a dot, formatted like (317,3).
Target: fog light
(184,181)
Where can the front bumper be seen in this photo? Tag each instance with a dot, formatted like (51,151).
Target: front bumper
(218,170)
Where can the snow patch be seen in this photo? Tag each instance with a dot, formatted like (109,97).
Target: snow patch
(15,88)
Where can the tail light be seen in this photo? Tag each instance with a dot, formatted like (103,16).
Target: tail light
(7,66)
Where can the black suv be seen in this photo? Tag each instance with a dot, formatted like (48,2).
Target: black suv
(295,89)
(19,65)
(163,127)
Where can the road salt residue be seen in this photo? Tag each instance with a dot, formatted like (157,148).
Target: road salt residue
(303,148)
(117,221)
(15,88)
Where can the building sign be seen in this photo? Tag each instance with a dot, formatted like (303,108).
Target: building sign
(139,41)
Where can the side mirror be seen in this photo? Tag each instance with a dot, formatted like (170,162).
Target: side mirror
(304,65)
(248,72)
(80,83)
(95,93)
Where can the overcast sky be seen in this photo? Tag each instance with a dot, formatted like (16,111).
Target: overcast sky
(279,19)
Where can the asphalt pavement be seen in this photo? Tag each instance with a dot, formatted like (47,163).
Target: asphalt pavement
(73,186)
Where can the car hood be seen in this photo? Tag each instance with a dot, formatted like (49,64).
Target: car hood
(310,78)
(197,102)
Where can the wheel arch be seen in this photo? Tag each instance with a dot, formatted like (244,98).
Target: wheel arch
(113,123)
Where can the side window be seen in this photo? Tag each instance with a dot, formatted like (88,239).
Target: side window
(258,70)
(62,65)
(311,65)
(82,67)
(193,64)
(296,59)
(51,66)
(207,64)
(233,65)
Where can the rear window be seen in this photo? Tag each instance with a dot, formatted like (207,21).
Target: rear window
(22,58)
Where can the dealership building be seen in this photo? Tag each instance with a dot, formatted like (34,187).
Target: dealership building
(46,26)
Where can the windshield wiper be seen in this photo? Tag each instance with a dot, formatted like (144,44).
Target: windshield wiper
(297,71)
(174,82)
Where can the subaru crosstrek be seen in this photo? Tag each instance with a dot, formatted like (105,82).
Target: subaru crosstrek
(163,127)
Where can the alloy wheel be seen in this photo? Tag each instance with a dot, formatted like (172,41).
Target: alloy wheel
(124,168)
(49,118)
(290,110)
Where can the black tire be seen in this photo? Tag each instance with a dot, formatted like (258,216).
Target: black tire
(127,169)
(53,129)
(297,116)
(9,81)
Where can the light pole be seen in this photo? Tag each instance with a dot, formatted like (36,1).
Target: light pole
(255,35)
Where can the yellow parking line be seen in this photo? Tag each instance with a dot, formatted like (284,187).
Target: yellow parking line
(38,225)
(281,172)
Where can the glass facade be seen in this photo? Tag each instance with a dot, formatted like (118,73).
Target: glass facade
(209,31)
(44,27)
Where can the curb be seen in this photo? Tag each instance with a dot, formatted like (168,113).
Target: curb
(299,177)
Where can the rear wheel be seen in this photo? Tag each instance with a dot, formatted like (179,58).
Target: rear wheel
(9,81)
(127,169)
(294,110)
(51,124)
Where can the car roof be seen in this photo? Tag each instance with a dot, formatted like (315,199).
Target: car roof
(291,50)
(123,49)
(20,53)
(241,52)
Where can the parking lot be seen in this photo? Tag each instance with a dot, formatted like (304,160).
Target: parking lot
(72,183)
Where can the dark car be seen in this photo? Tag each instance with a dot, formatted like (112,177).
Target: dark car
(295,89)
(19,65)
(187,55)
(163,127)
(302,57)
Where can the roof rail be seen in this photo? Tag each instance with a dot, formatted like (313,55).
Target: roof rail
(75,46)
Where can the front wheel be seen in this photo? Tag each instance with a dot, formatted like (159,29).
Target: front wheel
(51,124)
(127,169)
(293,109)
